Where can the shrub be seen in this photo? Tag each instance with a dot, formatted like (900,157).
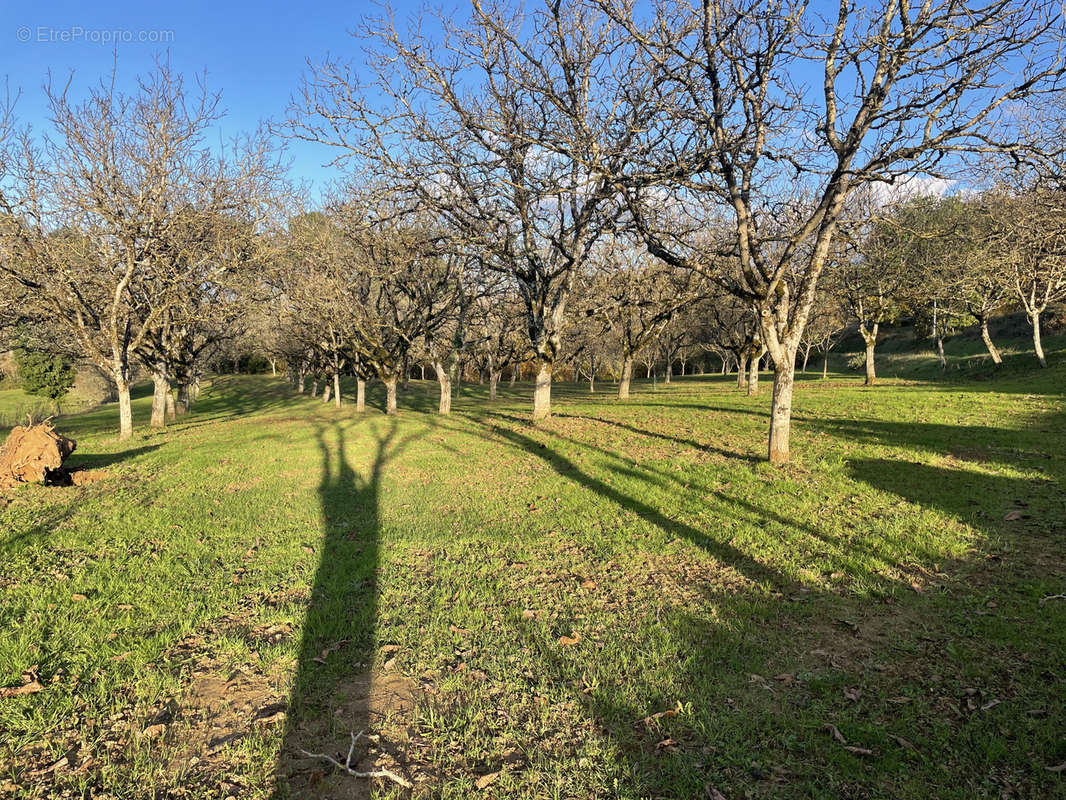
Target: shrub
(44,374)
(857,361)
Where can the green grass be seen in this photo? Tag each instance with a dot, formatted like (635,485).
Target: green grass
(15,405)
(292,552)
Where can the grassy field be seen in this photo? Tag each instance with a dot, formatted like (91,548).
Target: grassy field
(621,602)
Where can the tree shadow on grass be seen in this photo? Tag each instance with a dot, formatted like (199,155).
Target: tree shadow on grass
(664,437)
(334,694)
(935,644)
(84,461)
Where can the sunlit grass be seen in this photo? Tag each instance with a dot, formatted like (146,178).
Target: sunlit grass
(547,588)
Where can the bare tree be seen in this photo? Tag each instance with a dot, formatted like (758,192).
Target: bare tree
(93,212)
(481,127)
(904,86)
(1033,230)
(635,296)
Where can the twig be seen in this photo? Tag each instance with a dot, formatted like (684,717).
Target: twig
(1053,597)
(347,765)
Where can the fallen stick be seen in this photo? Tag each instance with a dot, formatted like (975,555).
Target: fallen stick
(347,765)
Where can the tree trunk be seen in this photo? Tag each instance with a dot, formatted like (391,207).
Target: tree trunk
(542,392)
(326,391)
(171,413)
(390,393)
(871,342)
(314,387)
(337,389)
(423,368)
(781,409)
(406,372)
(183,397)
(806,357)
(494,378)
(1038,348)
(753,374)
(825,365)
(669,371)
(161,390)
(301,381)
(125,408)
(742,371)
(360,394)
(940,352)
(627,376)
(514,374)
(993,351)
(273,367)
(445,381)
(592,381)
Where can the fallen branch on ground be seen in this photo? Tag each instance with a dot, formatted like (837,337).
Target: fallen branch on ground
(347,765)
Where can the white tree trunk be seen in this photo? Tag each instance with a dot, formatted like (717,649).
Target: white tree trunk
(160,393)
(627,377)
(542,392)
(993,351)
(445,381)
(753,374)
(781,409)
(1038,347)
(360,394)
(390,393)
(337,389)
(125,408)
(494,378)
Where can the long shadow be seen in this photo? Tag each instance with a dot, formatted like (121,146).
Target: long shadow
(662,436)
(332,695)
(723,551)
(926,620)
(83,461)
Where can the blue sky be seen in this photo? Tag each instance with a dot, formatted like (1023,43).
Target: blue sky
(254,53)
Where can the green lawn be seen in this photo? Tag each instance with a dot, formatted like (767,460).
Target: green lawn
(621,602)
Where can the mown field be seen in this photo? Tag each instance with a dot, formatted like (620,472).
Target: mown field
(621,602)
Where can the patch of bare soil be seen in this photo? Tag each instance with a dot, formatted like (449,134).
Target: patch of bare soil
(223,704)
(83,477)
(380,704)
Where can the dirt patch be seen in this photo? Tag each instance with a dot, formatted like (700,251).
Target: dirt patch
(34,455)
(218,709)
(83,477)
(380,704)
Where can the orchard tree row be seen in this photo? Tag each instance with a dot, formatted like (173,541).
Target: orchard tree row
(581,182)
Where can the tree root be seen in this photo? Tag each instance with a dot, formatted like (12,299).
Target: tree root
(347,765)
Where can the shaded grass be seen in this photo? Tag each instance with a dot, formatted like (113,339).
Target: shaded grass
(551,588)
